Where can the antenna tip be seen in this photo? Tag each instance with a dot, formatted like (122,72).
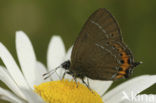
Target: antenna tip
(141,62)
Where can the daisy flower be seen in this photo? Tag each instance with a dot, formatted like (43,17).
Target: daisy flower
(26,83)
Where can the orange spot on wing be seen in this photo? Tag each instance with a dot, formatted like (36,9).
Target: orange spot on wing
(122,73)
(119,76)
(125,58)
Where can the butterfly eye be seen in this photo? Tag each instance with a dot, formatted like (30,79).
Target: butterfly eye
(66,64)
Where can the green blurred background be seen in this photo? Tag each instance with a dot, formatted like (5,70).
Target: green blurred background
(40,19)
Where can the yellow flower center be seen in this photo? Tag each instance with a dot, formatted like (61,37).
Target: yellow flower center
(64,91)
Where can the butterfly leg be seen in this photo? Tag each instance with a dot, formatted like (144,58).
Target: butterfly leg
(75,79)
(87,84)
(64,74)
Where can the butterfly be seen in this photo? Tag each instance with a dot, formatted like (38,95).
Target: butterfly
(99,51)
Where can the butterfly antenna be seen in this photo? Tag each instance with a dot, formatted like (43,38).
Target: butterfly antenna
(51,72)
(137,63)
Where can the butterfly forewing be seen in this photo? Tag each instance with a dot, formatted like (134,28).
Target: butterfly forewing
(100,26)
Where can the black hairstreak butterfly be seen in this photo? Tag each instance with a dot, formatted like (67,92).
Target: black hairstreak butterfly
(99,51)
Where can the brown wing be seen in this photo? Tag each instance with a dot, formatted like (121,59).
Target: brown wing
(93,54)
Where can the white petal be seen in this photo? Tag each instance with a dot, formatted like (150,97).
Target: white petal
(39,76)
(68,55)
(56,53)
(100,86)
(143,98)
(12,67)
(26,94)
(134,86)
(28,64)
(16,74)
(6,78)
(7,95)
(26,57)
(69,77)
(32,97)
